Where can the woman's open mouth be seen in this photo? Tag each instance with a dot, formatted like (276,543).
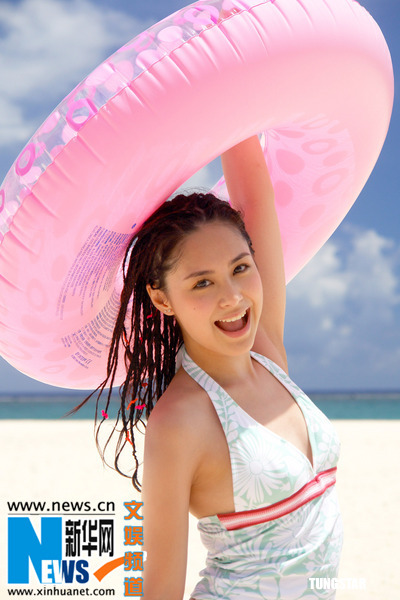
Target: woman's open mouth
(234,324)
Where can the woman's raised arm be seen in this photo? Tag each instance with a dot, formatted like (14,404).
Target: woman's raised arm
(250,190)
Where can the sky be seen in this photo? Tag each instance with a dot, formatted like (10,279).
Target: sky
(343,308)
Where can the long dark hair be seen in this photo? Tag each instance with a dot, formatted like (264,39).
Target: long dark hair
(149,339)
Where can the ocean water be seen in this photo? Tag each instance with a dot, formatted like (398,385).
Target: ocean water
(336,405)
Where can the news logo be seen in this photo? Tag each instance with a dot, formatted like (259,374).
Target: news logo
(56,550)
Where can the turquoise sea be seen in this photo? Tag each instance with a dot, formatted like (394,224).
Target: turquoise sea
(336,405)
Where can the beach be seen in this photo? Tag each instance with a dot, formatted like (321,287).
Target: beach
(56,460)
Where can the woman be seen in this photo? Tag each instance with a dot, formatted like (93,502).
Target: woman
(230,432)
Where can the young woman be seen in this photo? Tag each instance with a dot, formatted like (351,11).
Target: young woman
(228,433)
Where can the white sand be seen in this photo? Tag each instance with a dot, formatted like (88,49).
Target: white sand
(57,460)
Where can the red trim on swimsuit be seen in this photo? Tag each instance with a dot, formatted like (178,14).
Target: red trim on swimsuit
(314,488)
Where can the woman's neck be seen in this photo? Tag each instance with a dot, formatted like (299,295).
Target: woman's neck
(224,369)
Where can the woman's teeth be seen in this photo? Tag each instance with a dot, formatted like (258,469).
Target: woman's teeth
(233,319)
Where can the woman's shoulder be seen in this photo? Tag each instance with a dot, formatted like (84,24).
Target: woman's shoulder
(177,427)
(178,409)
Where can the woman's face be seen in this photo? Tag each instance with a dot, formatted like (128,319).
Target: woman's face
(215,290)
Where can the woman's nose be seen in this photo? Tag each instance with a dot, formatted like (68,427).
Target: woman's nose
(231,294)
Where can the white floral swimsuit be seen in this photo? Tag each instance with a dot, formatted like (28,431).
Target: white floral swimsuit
(286,527)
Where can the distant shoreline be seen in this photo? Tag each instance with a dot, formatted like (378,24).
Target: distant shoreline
(83,393)
(364,405)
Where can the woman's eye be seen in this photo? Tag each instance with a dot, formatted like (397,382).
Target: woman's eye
(202,283)
(241,268)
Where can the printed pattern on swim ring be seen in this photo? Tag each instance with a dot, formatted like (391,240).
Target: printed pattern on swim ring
(200,81)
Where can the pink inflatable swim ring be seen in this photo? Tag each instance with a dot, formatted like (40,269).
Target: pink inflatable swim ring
(314,78)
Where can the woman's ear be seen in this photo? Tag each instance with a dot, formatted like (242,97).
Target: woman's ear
(159,299)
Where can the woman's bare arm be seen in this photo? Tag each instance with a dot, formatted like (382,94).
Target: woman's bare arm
(251,192)
(167,481)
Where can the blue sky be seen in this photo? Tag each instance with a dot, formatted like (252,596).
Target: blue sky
(343,310)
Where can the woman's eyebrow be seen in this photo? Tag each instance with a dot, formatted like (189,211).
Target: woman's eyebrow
(239,256)
(210,272)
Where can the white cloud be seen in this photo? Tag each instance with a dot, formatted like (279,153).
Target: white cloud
(361,270)
(48,46)
(371,267)
(13,126)
(342,317)
(321,281)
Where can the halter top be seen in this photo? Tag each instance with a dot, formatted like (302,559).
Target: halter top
(286,527)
